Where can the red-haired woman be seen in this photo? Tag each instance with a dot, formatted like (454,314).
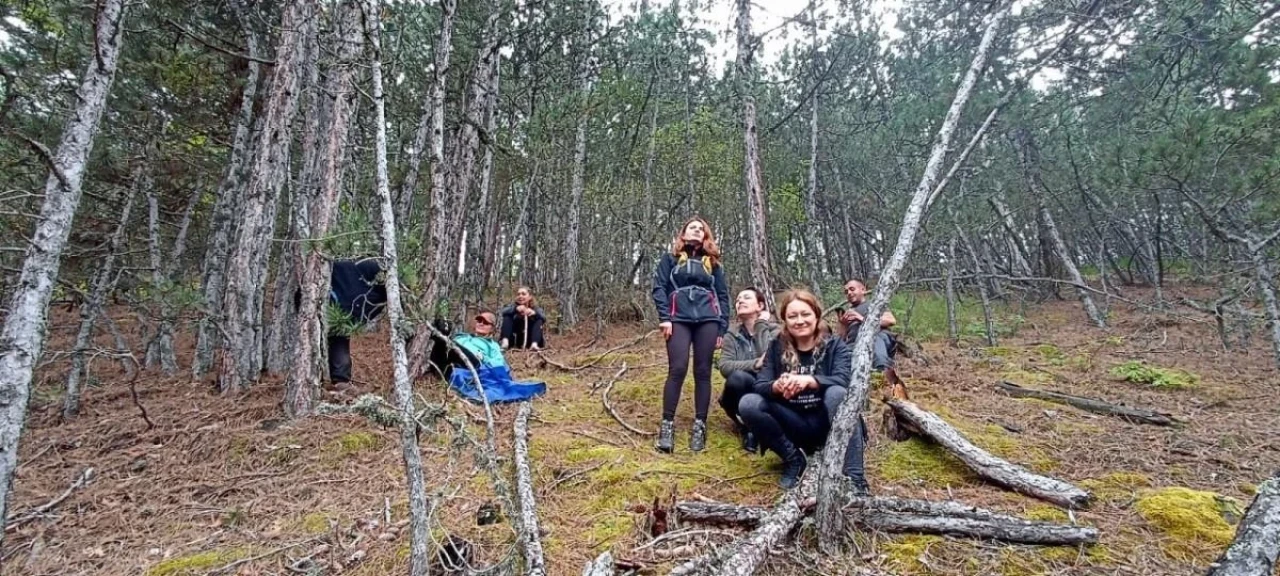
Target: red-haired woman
(692,298)
(803,380)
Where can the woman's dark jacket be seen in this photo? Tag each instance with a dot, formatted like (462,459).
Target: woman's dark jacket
(832,367)
(687,292)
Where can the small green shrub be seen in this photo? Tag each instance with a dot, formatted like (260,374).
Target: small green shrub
(1140,372)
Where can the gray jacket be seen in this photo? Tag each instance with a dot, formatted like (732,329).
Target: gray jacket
(740,352)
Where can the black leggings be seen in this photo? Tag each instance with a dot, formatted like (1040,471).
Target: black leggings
(702,337)
(738,384)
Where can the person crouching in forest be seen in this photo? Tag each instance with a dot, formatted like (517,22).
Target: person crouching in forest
(692,299)
(358,288)
(804,377)
(742,357)
(522,322)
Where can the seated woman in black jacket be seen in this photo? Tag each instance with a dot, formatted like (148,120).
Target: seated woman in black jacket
(522,322)
(801,383)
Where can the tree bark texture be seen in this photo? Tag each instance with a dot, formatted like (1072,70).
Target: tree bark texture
(160,347)
(1257,541)
(241,358)
(1137,415)
(419,506)
(436,245)
(757,203)
(814,250)
(302,387)
(996,470)
(751,550)
(831,485)
(23,336)
(535,565)
(103,280)
(212,276)
(573,228)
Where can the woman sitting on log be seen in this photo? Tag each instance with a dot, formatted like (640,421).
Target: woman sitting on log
(522,322)
(804,378)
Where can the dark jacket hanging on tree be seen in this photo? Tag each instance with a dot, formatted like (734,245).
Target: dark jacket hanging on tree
(689,289)
(358,288)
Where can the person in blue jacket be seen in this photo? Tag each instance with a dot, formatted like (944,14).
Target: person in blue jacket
(692,299)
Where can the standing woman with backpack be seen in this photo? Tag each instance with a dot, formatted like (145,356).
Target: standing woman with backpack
(692,299)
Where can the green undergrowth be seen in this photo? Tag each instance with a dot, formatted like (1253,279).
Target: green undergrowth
(1139,372)
(198,563)
(905,553)
(355,443)
(1116,486)
(1196,524)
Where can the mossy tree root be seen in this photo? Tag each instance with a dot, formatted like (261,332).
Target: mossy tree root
(1257,541)
(986,465)
(1137,415)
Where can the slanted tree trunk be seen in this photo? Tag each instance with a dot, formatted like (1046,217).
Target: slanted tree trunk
(302,387)
(1017,250)
(569,304)
(1029,157)
(831,486)
(757,203)
(103,281)
(1257,541)
(419,506)
(213,280)
(241,359)
(22,339)
(436,245)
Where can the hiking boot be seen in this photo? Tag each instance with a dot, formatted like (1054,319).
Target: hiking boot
(793,466)
(698,439)
(749,442)
(666,436)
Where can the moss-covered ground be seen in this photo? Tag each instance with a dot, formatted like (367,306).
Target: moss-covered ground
(220,480)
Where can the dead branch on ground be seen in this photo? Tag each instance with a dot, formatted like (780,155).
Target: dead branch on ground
(535,565)
(14,522)
(604,397)
(1136,415)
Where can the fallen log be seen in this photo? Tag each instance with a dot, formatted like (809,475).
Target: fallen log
(746,553)
(986,465)
(535,563)
(914,516)
(1136,415)
(1257,541)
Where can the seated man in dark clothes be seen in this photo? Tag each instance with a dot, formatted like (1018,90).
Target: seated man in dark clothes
(359,289)
(851,316)
(445,357)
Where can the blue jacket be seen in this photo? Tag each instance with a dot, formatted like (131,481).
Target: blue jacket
(687,292)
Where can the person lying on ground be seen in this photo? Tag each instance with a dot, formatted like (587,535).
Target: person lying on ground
(742,356)
(522,322)
(852,314)
(484,375)
(692,299)
(445,357)
(358,288)
(802,382)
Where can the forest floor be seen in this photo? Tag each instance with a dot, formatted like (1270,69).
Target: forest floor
(223,485)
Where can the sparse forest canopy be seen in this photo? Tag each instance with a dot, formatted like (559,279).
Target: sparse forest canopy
(178,177)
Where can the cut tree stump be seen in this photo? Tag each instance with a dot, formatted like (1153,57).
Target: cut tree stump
(1257,542)
(986,465)
(1136,415)
(912,516)
(535,564)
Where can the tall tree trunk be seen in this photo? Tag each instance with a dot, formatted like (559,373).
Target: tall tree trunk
(1029,158)
(1262,278)
(813,248)
(486,218)
(160,348)
(569,304)
(831,486)
(757,204)
(436,246)
(419,506)
(953,327)
(213,280)
(22,339)
(690,178)
(241,359)
(1017,250)
(302,387)
(103,280)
